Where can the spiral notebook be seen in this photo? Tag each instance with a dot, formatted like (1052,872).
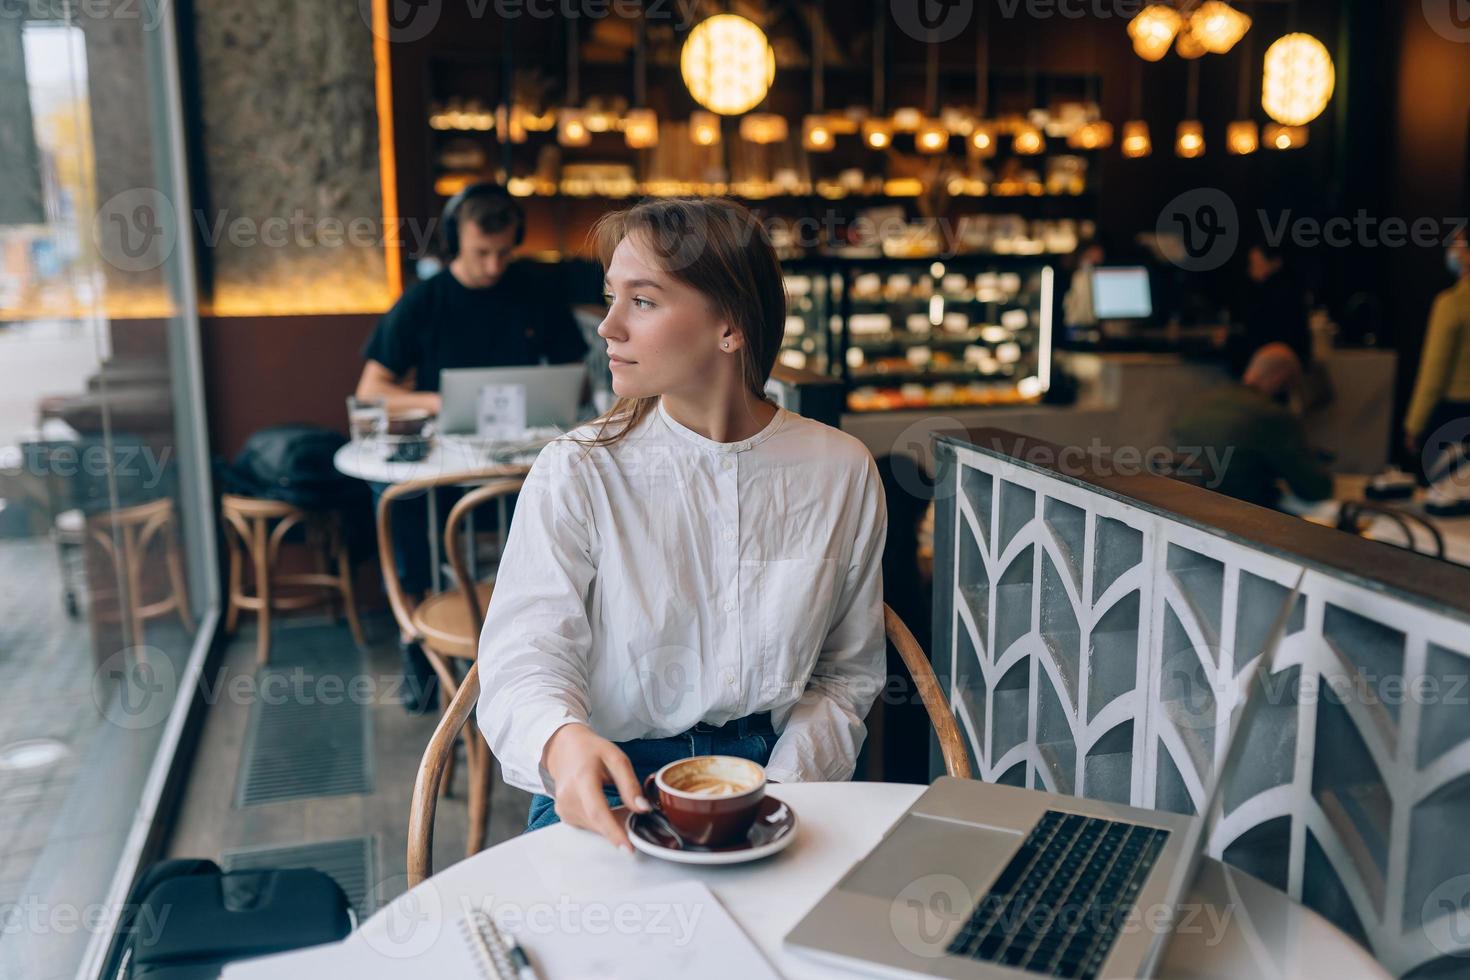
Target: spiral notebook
(685,931)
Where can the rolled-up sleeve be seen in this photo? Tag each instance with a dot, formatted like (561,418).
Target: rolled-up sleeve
(825,730)
(534,648)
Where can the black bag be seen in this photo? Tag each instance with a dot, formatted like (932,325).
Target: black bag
(292,463)
(185,919)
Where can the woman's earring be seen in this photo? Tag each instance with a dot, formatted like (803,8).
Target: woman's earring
(726,345)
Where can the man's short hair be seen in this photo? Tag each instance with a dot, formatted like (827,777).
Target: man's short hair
(492,214)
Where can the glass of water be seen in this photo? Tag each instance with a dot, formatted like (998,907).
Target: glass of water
(366,417)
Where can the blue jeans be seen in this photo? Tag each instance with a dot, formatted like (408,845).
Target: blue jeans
(751,737)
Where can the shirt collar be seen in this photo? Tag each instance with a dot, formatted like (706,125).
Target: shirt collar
(710,445)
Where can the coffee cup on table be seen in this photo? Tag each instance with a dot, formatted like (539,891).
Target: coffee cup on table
(708,800)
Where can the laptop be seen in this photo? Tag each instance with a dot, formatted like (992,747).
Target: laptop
(979,880)
(553,394)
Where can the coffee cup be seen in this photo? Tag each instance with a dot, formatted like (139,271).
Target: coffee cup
(708,800)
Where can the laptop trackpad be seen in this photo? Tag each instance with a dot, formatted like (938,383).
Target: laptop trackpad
(921,845)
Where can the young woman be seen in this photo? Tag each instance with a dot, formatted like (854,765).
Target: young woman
(698,571)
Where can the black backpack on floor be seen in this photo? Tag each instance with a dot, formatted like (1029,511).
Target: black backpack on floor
(292,463)
(185,919)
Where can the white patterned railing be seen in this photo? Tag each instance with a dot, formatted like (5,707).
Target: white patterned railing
(1096,645)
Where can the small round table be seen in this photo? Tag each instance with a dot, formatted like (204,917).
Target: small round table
(367,459)
(1236,926)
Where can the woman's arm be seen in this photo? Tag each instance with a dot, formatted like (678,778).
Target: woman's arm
(825,730)
(534,671)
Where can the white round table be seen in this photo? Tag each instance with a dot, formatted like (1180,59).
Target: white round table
(1241,927)
(367,459)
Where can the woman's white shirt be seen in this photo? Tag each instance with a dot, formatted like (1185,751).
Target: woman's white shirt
(670,579)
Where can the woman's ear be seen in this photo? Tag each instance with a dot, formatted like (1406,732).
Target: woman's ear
(731,340)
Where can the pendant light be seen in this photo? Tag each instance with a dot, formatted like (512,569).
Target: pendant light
(878,131)
(1189,139)
(816,130)
(1297,77)
(704,128)
(571,126)
(1136,140)
(931,136)
(727,64)
(982,134)
(1096,134)
(1242,137)
(640,125)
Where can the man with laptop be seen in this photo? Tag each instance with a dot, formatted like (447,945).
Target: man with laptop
(480,311)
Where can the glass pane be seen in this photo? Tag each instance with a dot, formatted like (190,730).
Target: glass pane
(101,588)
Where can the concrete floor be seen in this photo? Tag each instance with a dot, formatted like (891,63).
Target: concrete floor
(209,823)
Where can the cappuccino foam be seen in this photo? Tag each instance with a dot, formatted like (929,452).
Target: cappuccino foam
(702,785)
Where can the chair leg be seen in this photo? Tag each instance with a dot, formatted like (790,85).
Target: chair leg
(232,613)
(260,554)
(133,569)
(177,580)
(349,600)
(480,787)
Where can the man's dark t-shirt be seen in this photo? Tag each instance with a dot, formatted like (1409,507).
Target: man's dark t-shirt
(441,324)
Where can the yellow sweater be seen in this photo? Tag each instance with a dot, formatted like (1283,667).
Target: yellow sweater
(1444,368)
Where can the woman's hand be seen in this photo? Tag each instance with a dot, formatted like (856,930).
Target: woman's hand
(581,762)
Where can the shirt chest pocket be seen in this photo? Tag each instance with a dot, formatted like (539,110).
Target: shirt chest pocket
(794,600)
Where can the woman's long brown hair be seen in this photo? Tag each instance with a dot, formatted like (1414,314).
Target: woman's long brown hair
(720,249)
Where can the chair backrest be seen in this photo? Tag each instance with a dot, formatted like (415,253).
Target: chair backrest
(431,770)
(951,744)
(441,744)
(397,601)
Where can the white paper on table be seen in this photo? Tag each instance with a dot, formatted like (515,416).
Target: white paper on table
(501,412)
(678,930)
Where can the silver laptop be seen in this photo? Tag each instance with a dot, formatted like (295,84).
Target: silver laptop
(984,880)
(553,393)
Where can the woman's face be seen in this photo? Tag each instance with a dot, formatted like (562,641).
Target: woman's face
(662,335)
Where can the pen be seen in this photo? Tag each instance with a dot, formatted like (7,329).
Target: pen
(524,969)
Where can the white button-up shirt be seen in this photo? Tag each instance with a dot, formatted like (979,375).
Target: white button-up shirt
(670,579)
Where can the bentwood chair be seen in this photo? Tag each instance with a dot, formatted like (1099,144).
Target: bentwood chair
(125,538)
(255,530)
(441,745)
(446,625)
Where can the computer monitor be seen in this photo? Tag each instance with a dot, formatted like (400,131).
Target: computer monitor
(1121,292)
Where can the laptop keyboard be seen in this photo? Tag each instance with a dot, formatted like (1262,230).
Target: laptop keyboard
(1064,896)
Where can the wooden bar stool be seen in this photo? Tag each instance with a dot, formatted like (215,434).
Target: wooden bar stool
(254,530)
(125,537)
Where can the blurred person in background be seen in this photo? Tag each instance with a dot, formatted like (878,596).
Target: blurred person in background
(1250,428)
(1274,309)
(1442,391)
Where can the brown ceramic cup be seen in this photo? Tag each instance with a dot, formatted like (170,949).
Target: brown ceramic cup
(710,799)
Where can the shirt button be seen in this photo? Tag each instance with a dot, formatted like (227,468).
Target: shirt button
(725,464)
(729,535)
(729,606)
(730,677)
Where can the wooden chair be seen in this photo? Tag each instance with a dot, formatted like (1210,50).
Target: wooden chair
(441,744)
(124,538)
(255,529)
(446,625)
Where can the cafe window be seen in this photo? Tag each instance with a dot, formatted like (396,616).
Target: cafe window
(107,582)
